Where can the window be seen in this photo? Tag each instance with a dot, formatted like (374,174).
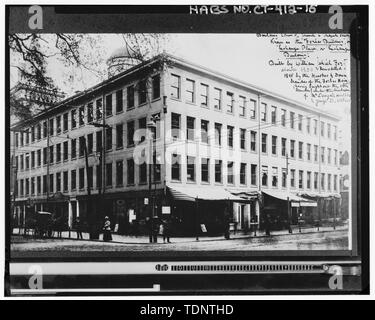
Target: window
(65,181)
(230,102)
(205,169)
(38,185)
(82,146)
(27,135)
(73,179)
(264,176)
(45,183)
(264,142)
(27,161)
(315,153)
(204,95)
(58,124)
(98,177)
(143,173)
(51,154)
(90,112)
(119,173)
(275,176)
(254,174)
(45,129)
(176,167)
(218,171)
(90,143)
(328,130)
(130,164)
(335,133)
(335,182)
(16,139)
(242,107)
(253,141)
(156,86)
(81,178)
(329,156)
(190,91)
(218,134)
(322,128)
(308,180)
(274,145)
(39,158)
(204,131)
(300,119)
(119,101)
(190,128)
(263,112)
(242,139)
(108,105)
(58,181)
(322,182)
(284,177)
(81,116)
(283,147)
(108,174)
(273,115)
(142,92)
(99,109)
(300,150)
(32,131)
(253,109)
(74,148)
(292,148)
(230,177)
(130,97)
(230,136)
(190,168)
(58,152)
(283,117)
(119,136)
(315,180)
(130,133)
(176,119)
(300,179)
(21,188)
(175,86)
(65,122)
(51,181)
(32,185)
(243,173)
(315,126)
(32,159)
(292,178)
(51,129)
(308,151)
(99,141)
(27,186)
(21,161)
(73,115)
(329,178)
(308,125)
(292,120)
(322,149)
(156,130)
(45,157)
(217,98)
(108,137)
(21,139)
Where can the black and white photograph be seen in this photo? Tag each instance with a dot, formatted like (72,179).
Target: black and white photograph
(175,143)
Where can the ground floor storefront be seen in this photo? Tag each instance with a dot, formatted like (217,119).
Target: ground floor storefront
(190,211)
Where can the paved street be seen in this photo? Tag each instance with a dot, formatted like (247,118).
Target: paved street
(323,240)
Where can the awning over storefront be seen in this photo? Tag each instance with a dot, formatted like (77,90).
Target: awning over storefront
(295,200)
(320,195)
(245,194)
(192,193)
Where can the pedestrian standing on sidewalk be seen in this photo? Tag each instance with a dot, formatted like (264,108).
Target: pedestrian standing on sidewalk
(149,229)
(78,227)
(155,229)
(166,224)
(107,236)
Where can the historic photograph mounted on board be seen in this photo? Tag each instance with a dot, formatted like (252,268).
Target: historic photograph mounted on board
(179,142)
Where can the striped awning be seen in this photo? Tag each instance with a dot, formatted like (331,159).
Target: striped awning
(284,196)
(192,193)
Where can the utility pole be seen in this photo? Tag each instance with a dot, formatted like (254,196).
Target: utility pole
(288,191)
(92,232)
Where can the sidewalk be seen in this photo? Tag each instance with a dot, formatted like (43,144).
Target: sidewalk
(239,235)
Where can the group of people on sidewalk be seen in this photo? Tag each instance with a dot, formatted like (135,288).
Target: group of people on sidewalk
(156,226)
